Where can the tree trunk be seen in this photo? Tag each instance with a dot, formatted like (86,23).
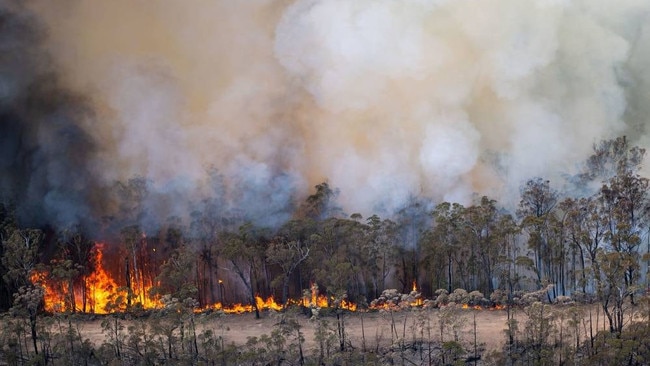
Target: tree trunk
(341,330)
(285,289)
(211,282)
(84,293)
(32,326)
(449,274)
(73,305)
(128,283)
(302,357)
(252,293)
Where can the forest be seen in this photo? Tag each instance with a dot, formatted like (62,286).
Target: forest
(582,242)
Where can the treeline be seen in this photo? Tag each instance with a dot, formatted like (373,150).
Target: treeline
(586,241)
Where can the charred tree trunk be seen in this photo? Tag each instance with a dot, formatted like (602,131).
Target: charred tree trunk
(32,328)
(73,305)
(84,293)
(285,289)
(252,292)
(128,282)
(211,272)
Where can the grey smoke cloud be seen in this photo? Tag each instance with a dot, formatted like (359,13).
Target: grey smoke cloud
(385,99)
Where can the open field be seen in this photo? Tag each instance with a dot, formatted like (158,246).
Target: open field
(416,335)
(376,326)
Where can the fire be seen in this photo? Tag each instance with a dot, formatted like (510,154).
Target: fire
(99,293)
(54,301)
(102,294)
(317,300)
(101,286)
(479,307)
(262,304)
(347,305)
(269,303)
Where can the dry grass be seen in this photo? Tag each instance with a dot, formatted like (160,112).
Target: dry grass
(408,325)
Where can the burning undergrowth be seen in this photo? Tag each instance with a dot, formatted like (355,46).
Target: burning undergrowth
(100,293)
(280,95)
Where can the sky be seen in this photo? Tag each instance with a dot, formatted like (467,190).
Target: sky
(383,99)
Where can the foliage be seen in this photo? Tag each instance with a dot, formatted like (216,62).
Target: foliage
(583,244)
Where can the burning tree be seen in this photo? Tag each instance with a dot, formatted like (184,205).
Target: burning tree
(245,251)
(289,249)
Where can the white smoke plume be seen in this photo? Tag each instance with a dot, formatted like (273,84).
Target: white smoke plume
(385,99)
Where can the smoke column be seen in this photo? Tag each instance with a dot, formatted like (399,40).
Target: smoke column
(385,99)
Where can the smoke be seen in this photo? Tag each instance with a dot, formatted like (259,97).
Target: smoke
(44,148)
(384,99)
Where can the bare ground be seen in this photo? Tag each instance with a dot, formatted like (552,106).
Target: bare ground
(378,328)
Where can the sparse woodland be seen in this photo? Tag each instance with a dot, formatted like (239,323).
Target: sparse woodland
(560,259)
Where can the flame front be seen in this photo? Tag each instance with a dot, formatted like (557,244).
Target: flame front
(103,295)
(54,301)
(101,286)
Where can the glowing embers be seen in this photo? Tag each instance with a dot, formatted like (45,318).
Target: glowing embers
(238,308)
(479,307)
(311,300)
(391,299)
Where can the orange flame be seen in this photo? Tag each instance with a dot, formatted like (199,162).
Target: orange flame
(54,300)
(100,288)
(475,307)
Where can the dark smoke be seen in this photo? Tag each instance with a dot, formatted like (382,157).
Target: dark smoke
(44,153)
(120,112)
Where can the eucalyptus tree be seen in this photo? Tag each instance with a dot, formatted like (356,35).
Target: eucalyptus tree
(610,158)
(379,250)
(508,258)
(131,237)
(246,250)
(480,232)
(615,288)
(538,218)
(585,231)
(7,225)
(610,224)
(321,204)
(625,202)
(444,241)
(206,225)
(337,258)
(289,249)
(20,257)
(214,214)
(177,274)
(75,263)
